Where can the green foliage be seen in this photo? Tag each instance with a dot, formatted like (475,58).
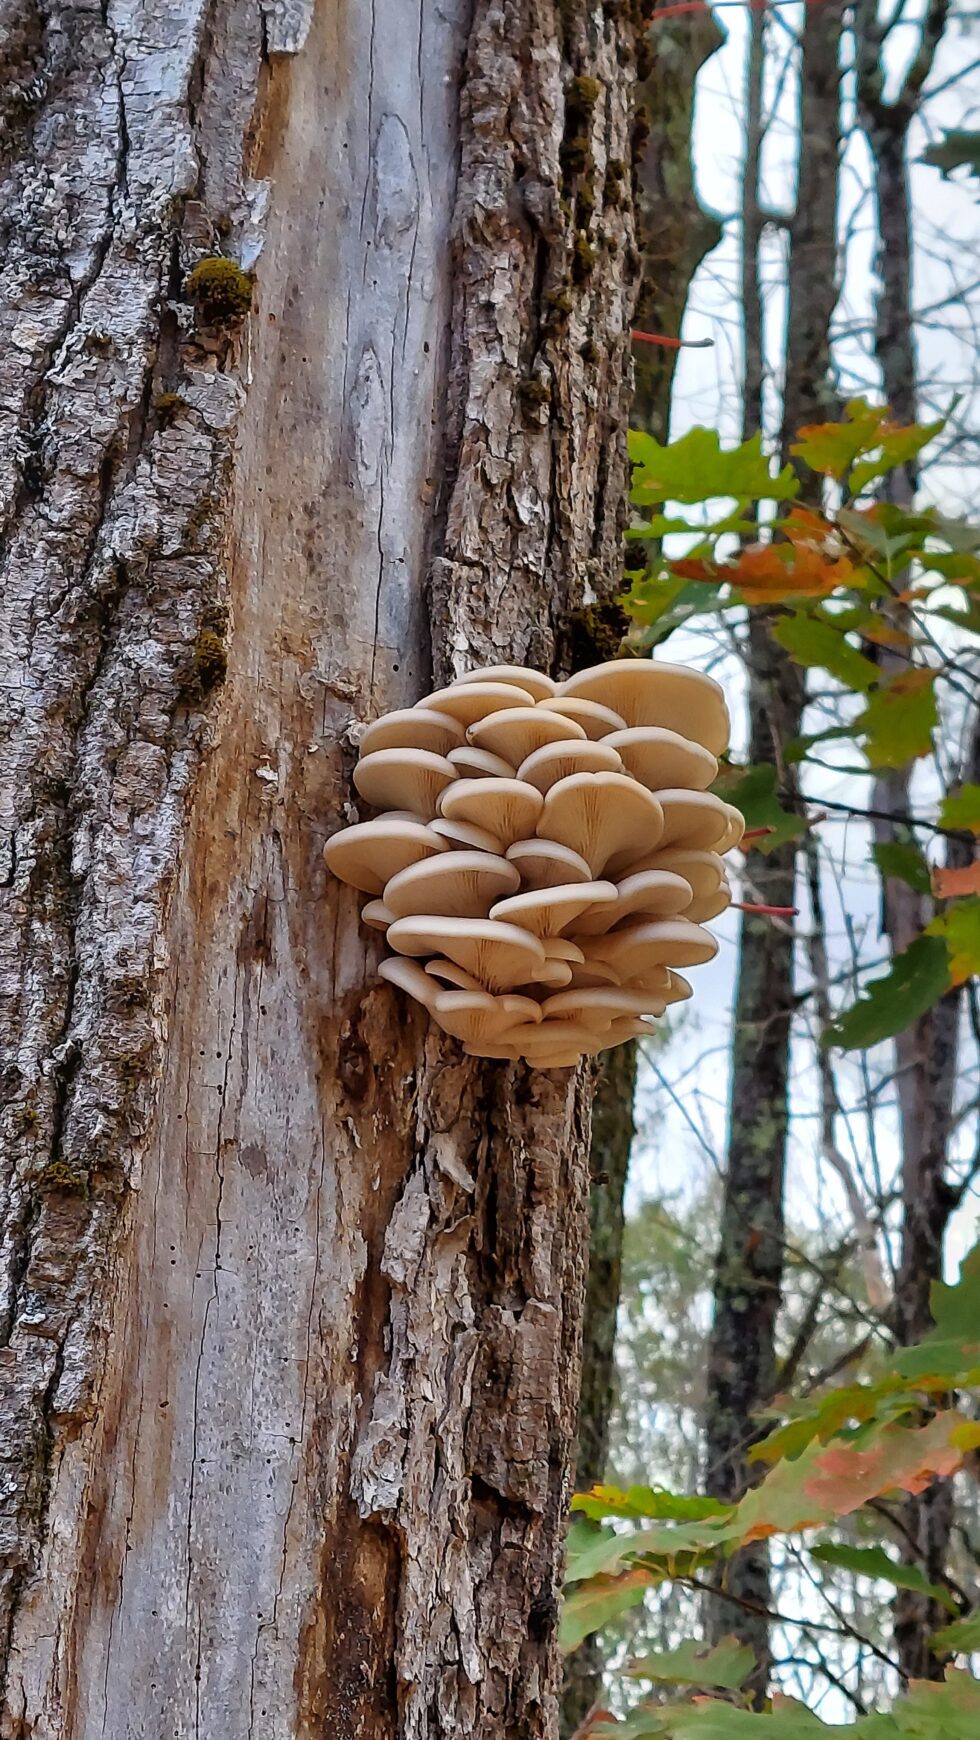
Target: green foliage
(915,980)
(875,1562)
(903,860)
(838,1451)
(697,468)
(724,1666)
(815,640)
(957,149)
(854,591)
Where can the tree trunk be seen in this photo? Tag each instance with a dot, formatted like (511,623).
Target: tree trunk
(612,1139)
(926,1053)
(748,1276)
(291,1291)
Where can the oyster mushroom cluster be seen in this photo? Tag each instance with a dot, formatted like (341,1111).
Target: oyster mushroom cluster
(547,853)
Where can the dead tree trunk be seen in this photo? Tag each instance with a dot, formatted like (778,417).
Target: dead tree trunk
(291,1292)
(926,1053)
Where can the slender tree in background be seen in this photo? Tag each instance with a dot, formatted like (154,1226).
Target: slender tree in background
(314,388)
(926,1051)
(748,1279)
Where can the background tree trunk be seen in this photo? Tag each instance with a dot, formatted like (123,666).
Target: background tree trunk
(749,1270)
(292,1292)
(926,1052)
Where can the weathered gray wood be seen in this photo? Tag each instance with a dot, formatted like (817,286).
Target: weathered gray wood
(293,1292)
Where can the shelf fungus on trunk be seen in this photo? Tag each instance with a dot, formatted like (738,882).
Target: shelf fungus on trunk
(548,854)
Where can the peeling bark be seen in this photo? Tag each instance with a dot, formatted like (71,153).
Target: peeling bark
(291,1293)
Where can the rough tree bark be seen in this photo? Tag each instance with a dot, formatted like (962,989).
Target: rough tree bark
(291,1293)
(926,1053)
(748,1275)
(612,1138)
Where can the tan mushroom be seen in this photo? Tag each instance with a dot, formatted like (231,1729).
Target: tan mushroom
(535,683)
(659,758)
(468,702)
(655,893)
(412,728)
(704,871)
(545,864)
(515,733)
(646,692)
(601,1006)
(531,1040)
(451,974)
(678,988)
(548,911)
(595,721)
(368,854)
(455,885)
(638,948)
(467,835)
(499,956)
(507,808)
(693,820)
(473,763)
(408,976)
(605,817)
(476,1016)
(594,974)
(376,915)
(735,830)
(408,779)
(555,761)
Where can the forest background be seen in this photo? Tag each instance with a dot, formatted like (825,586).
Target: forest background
(788,1201)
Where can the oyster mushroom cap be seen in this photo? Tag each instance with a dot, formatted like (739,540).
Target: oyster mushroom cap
(536,683)
(545,864)
(652,943)
(596,721)
(694,819)
(408,779)
(507,808)
(454,885)
(562,948)
(475,1015)
(515,733)
(408,976)
(368,854)
(465,834)
(467,702)
(656,893)
(704,871)
(678,988)
(605,817)
(473,763)
(499,956)
(453,975)
(548,911)
(376,915)
(412,728)
(709,906)
(659,758)
(647,692)
(736,828)
(544,767)
(599,1007)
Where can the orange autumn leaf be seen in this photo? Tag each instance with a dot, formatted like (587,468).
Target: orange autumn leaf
(845,1477)
(772,573)
(947,884)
